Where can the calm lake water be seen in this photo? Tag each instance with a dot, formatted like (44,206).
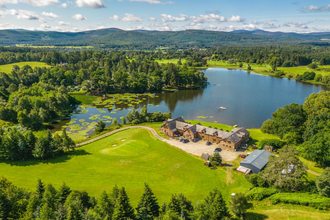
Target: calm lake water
(249,100)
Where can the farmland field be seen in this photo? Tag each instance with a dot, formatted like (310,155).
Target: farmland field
(129,158)
(8,67)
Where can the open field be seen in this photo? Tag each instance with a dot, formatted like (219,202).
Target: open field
(292,212)
(57,47)
(7,68)
(128,158)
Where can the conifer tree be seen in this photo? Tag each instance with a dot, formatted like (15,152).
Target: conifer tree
(63,193)
(40,189)
(115,194)
(5,206)
(148,207)
(216,206)
(30,140)
(46,213)
(104,205)
(123,209)
(50,197)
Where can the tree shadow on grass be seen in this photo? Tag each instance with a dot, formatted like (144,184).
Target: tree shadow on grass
(255,216)
(52,160)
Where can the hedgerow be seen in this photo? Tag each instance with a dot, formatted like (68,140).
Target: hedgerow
(306,199)
(259,193)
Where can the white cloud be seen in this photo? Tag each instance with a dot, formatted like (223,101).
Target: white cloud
(24,14)
(270,25)
(40,3)
(215,18)
(44,26)
(152,19)
(64,5)
(79,17)
(3,2)
(166,17)
(50,14)
(297,25)
(62,23)
(127,18)
(153,1)
(312,8)
(90,3)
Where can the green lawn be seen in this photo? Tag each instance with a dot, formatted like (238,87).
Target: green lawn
(292,212)
(9,67)
(128,158)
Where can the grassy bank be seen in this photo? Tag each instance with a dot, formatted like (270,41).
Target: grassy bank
(263,69)
(7,68)
(129,158)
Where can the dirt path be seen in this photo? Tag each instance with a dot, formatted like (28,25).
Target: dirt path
(314,173)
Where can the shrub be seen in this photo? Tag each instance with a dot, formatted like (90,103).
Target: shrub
(318,78)
(255,180)
(306,199)
(260,193)
(279,74)
(299,77)
(312,66)
(272,142)
(308,76)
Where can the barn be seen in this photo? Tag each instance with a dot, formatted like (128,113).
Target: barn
(256,161)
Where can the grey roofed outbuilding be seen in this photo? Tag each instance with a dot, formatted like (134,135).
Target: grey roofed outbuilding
(205,156)
(256,161)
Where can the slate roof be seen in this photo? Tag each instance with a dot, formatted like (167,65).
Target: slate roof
(235,138)
(223,134)
(240,130)
(200,128)
(193,129)
(211,131)
(258,158)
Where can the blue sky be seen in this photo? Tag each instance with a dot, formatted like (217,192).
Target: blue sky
(218,15)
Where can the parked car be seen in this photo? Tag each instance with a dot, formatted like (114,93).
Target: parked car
(194,140)
(185,141)
(242,156)
(180,139)
(208,143)
(217,149)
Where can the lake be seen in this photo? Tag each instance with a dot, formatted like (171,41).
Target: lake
(249,100)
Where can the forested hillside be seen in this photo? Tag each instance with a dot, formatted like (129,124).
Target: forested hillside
(120,39)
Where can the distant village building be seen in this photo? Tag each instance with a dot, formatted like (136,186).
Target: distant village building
(226,140)
(256,161)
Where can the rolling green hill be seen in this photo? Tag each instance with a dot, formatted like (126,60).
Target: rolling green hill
(114,38)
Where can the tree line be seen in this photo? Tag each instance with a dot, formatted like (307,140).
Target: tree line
(17,145)
(47,202)
(305,126)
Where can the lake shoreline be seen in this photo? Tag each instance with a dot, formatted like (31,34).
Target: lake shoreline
(262,73)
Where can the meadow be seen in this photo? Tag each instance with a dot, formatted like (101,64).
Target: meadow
(9,67)
(129,158)
(55,47)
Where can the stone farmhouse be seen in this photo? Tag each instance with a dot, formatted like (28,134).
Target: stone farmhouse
(226,140)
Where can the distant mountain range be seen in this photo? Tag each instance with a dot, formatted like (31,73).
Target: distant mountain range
(116,38)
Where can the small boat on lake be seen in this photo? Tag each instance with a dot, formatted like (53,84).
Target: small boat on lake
(222,108)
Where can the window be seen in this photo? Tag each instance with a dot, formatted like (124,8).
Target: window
(213,139)
(223,144)
(202,136)
(229,142)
